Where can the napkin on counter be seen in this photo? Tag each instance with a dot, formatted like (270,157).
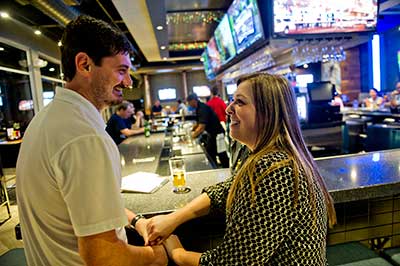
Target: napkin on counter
(142,182)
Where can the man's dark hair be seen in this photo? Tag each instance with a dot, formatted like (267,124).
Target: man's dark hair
(179,101)
(192,96)
(95,38)
(214,90)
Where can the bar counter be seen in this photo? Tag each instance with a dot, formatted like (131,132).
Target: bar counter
(348,178)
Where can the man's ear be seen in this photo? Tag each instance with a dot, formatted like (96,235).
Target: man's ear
(82,63)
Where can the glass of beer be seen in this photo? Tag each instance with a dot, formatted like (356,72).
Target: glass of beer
(178,174)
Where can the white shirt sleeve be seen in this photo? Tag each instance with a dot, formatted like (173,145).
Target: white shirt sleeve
(88,175)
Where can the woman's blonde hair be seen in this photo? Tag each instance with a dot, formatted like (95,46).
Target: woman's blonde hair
(279,129)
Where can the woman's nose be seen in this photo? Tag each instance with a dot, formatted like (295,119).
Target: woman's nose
(229,109)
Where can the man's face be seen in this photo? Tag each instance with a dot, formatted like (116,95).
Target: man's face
(109,78)
(128,112)
(193,103)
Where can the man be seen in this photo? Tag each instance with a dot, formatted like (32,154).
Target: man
(119,127)
(218,105)
(395,99)
(156,109)
(68,169)
(208,125)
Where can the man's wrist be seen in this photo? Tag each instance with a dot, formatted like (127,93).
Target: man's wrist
(136,219)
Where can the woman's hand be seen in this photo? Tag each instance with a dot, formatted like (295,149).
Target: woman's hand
(141,228)
(159,228)
(173,246)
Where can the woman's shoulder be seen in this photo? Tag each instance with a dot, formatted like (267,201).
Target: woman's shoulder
(270,158)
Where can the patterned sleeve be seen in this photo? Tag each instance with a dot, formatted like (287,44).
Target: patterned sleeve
(255,233)
(218,194)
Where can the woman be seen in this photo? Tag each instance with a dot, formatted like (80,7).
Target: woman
(277,206)
(374,101)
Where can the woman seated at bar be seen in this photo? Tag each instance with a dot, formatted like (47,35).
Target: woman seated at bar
(374,101)
(277,206)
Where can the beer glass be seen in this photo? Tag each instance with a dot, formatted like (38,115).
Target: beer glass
(178,174)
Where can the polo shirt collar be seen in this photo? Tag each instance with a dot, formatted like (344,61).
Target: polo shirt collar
(81,103)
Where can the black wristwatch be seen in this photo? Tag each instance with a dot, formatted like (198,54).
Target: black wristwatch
(137,218)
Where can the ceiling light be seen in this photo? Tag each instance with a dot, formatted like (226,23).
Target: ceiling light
(165,58)
(162,47)
(201,59)
(59,43)
(159,27)
(1,49)
(51,69)
(38,32)
(4,15)
(305,65)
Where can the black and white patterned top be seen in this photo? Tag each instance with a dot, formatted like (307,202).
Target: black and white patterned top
(272,231)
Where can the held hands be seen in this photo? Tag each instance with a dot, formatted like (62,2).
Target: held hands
(159,228)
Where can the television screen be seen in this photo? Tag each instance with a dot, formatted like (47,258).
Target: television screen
(1,101)
(224,39)
(167,94)
(213,55)
(320,91)
(25,105)
(231,88)
(207,67)
(301,101)
(319,17)
(202,91)
(244,16)
(398,59)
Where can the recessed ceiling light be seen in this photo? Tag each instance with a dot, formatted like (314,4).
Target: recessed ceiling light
(305,65)
(201,59)
(162,47)
(38,32)
(4,14)
(159,27)
(51,69)
(165,58)
(59,43)
(1,49)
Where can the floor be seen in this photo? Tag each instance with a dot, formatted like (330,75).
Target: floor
(7,233)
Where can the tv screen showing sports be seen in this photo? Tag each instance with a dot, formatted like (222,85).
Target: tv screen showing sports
(231,88)
(224,39)
(320,91)
(207,67)
(319,17)
(167,94)
(202,91)
(213,55)
(244,16)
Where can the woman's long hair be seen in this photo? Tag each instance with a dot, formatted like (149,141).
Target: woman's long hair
(279,129)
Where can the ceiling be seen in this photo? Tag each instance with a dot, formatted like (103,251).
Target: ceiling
(186,24)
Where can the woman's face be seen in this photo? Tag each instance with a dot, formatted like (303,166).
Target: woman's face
(242,112)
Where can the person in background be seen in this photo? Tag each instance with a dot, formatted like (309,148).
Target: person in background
(119,126)
(277,206)
(156,109)
(69,171)
(181,109)
(374,101)
(209,129)
(218,105)
(395,99)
